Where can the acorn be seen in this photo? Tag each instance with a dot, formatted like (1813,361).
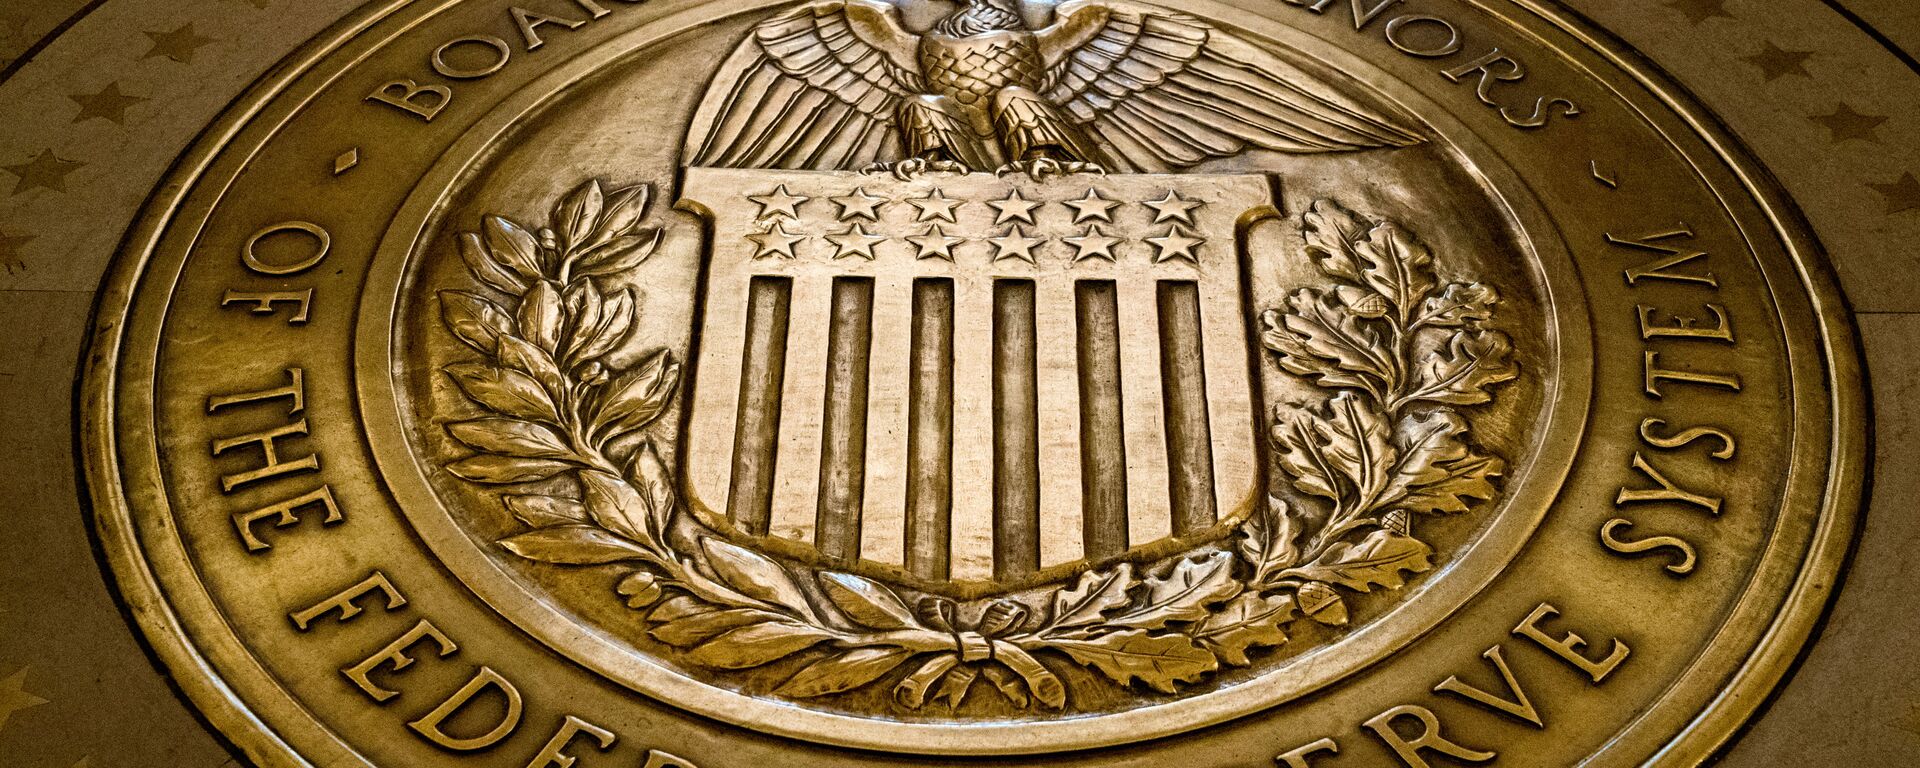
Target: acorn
(1398,521)
(1322,604)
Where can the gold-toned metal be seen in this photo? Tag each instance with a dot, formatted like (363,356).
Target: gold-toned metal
(863,383)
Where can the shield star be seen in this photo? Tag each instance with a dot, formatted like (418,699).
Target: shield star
(779,202)
(935,206)
(14,697)
(776,241)
(1094,244)
(856,241)
(859,205)
(1093,207)
(1173,207)
(1175,244)
(1014,244)
(1014,208)
(935,243)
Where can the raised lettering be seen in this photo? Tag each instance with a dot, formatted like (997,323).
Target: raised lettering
(1429,737)
(501,54)
(1568,646)
(395,657)
(429,726)
(323,242)
(1655,374)
(1683,553)
(530,23)
(554,754)
(1670,442)
(284,512)
(409,98)
(1298,756)
(263,302)
(1660,269)
(346,602)
(1668,491)
(1682,327)
(1519,706)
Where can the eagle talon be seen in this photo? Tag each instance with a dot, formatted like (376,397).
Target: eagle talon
(914,167)
(1041,168)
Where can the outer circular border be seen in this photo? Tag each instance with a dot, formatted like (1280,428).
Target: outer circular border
(1771,658)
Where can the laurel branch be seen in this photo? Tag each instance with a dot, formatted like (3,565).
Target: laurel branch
(1376,452)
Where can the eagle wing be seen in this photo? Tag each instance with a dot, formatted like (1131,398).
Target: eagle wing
(815,88)
(1167,91)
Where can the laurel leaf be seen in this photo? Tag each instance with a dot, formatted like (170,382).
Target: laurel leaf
(867,602)
(473,252)
(757,644)
(511,437)
(638,397)
(1461,374)
(584,305)
(522,356)
(572,545)
(504,391)
(620,254)
(578,214)
(650,477)
(546,511)
(1088,600)
(756,576)
(624,209)
(502,470)
(616,321)
(616,506)
(1249,621)
(1185,594)
(540,316)
(513,246)
(699,628)
(477,322)
(1382,559)
(1397,265)
(1158,660)
(843,672)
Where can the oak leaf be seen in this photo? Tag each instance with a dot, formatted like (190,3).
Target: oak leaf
(1249,621)
(1158,660)
(1381,559)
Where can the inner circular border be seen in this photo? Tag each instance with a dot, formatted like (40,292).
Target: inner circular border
(1567,400)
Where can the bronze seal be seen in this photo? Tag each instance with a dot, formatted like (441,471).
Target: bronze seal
(860,383)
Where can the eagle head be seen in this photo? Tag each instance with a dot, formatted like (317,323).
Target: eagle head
(978,17)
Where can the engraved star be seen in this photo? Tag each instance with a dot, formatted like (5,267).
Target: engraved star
(1014,244)
(1175,244)
(1093,207)
(1846,123)
(1698,11)
(780,202)
(935,206)
(776,241)
(109,105)
(1173,207)
(46,171)
(10,256)
(856,241)
(935,244)
(1902,195)
(1014,208)
(859,205)
(179,45)
(1094,244)
(1776,62)
(14,697)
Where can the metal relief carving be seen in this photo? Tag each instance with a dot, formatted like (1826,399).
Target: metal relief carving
(879,383)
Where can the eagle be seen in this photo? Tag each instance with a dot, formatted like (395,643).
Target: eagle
(1110,85)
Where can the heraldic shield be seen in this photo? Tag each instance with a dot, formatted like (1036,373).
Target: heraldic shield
(970,379)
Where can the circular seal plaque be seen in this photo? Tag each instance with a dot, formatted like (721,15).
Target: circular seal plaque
(865,383)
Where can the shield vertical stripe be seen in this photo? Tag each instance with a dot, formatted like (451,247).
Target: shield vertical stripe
(843,428)
(930,431)
(883,526)
(1016,431)
(1103,444)
(762,371)
(972,531)
(1184,377)
(796,489)
(1149,509)
(1057,373)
